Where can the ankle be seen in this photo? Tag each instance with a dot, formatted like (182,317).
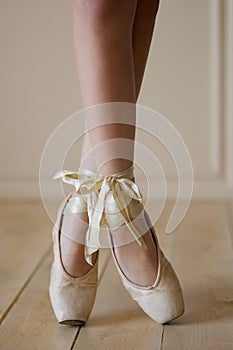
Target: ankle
(115,166)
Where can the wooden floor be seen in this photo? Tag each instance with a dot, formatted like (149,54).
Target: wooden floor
(200,250)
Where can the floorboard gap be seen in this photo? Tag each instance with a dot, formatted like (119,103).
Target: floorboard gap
(162,337)
(44,256)
(75,338)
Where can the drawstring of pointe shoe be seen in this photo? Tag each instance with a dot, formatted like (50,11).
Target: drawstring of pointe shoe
(119,184)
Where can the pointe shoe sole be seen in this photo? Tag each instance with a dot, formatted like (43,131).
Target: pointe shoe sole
(74,323)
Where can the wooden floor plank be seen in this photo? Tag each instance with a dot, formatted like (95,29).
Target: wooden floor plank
(10,212)
(25,234)
(31,323)
(201,251)
(117,322)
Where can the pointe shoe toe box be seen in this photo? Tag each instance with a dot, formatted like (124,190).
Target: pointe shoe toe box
(72,298)
(164,301)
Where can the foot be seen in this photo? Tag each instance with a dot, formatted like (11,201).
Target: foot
(73,231)
(139,265)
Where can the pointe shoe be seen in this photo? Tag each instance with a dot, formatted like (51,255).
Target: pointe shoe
(119,204)
(162,301)
(72,298)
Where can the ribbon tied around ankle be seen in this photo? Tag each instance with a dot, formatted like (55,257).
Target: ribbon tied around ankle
(119,186)
(96,188)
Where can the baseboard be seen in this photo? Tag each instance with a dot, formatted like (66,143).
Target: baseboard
(203,189)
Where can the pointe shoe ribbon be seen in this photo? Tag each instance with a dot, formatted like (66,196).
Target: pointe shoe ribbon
(81,180)
(118,184)
(98,187)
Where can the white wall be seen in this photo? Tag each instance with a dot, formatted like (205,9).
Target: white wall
(188,80)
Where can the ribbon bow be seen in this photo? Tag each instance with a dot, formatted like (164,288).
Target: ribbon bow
(83,179)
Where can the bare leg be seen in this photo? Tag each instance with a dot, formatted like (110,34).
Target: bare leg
(104,41)
(129,254)
(143,28)
(102,61)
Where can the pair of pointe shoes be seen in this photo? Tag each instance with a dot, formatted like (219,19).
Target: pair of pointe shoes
(110,201)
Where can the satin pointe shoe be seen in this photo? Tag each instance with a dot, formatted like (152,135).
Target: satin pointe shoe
(119,204)
(72,298)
